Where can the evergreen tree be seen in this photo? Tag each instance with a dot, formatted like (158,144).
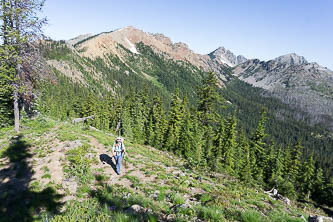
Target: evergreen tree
(186,143)
(126,127)
(229,145)
(7,73)
(218,146)
(318,186)
(295,165)
(208,146)
(269,163)
(149,132)
(21,27)
(208,98)
(159,122)
(198,142)
(245,163)
(257,145)
(306,177)
(329,193)
(176,116)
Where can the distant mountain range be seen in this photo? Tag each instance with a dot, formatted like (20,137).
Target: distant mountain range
(291,78)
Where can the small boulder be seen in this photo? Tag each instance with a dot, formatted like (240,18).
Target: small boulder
(135,209)
(315,219)
(171,217)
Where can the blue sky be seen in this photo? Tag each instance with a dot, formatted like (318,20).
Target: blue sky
(262,29)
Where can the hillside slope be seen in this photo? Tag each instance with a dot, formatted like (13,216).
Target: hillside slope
(305,86)
(54,171)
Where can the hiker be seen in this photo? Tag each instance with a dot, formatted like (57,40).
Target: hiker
(118,151)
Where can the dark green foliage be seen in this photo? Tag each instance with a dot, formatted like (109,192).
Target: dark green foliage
(229,145)
(176,115)
(161,110)
(7,73)
(258,147)
(244,160)
(208,99)
(283,125)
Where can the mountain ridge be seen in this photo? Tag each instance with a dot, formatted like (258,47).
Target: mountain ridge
(289,77)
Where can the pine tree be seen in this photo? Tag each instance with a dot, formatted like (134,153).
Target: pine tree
(306,178)
(269,163)
(21,27)
(257,145)
(7,72)
(149,132)
(176,116)
(198,142)
(245,163)
(294,170)
(328,193)
(159,122)
(318,186)
(229,145)
(218,146)
(126,127)
(186,138)
(208,98)
(208,146)
(276,173)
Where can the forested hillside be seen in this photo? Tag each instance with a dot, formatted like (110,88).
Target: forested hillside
(148,86)
(213,122)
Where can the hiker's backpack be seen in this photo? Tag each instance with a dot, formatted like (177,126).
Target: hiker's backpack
(119,149)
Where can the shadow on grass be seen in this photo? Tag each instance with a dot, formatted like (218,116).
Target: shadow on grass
(104,158)
(328,211)
(18,202)
(117,203)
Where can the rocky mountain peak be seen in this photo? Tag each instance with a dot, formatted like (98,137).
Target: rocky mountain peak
(225,56)
(291,59)
(77,39)
(162,38)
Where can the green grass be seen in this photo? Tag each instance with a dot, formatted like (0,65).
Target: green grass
(210,213)
(177,199)
(252,216)
(224,198)
(80,164)
(46,176)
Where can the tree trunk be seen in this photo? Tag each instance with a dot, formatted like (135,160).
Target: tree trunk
(16,110)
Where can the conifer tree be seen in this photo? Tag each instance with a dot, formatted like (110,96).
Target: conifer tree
(186,144)
(245,163)
(318,185)
(126,123)
(295,154)
(149,131)
(208,98)
(306,178)
(257,145)
(208,146)
(329,193)
(276,172)
(159,122)
(287,162)
(198,141)
(21,27)
(176,116)
(218,146)
(269,163)
(229,145)
(90,108)
(7,72)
